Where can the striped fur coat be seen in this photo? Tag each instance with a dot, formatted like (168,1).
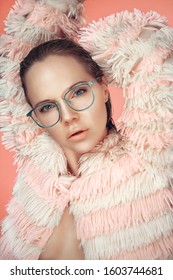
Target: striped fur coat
(122,199)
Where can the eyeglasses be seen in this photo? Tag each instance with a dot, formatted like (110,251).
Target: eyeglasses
(79,98)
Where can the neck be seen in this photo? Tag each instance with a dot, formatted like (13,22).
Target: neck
(72,160)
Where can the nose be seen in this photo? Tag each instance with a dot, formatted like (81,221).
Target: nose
(67,114)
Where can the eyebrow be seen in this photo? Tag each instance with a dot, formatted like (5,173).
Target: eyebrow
(65,91)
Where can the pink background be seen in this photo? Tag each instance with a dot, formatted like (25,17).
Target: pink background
(94,9)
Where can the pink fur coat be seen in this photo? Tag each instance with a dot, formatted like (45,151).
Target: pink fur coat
(122,200)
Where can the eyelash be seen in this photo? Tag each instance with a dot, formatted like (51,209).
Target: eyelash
(79,90)
(42,109)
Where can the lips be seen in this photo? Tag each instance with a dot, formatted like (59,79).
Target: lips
(80,131)
(76,134)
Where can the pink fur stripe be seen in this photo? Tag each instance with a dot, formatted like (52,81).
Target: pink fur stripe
(106,179)
(138,116)
(125,215)
(140,138)
(52,20)
(55,191)
(24,138)
(18,52)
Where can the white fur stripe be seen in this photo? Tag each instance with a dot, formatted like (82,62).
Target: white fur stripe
(160,249)
(8,66)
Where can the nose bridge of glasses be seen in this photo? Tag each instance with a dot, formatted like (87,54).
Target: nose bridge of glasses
(63,103)
(65,110)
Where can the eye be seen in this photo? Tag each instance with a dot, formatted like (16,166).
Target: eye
(79,92)
(46,107)
(76,93)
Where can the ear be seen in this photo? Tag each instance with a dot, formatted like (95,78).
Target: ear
(106,94)
(105,89)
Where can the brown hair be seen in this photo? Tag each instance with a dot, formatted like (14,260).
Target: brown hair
(65,47)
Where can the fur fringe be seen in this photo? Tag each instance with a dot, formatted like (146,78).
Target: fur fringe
(132,238)
(117,35)
(125,215)
(160,249)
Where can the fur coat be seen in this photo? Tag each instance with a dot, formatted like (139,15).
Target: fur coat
(122,198)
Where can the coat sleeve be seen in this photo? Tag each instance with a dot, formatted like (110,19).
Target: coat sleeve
(135,52)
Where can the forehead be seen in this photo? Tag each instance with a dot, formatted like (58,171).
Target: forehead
(54,75)
(55,64)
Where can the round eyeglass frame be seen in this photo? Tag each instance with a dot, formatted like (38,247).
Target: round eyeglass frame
(90,83)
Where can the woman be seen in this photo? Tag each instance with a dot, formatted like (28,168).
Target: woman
(63,72)
(84,190)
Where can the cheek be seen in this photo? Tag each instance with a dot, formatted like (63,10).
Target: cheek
(56,133)
(99,113)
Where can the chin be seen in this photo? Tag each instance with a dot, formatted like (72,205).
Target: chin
(86,147)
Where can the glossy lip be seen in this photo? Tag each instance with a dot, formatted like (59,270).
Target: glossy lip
(80,136)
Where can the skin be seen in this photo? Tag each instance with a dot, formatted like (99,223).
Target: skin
(50,79)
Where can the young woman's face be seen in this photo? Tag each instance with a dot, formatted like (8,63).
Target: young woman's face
(49,80)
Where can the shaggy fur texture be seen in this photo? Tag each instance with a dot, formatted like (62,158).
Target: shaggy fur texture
(122,198)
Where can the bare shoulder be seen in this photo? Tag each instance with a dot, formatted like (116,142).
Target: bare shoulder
(63,243)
